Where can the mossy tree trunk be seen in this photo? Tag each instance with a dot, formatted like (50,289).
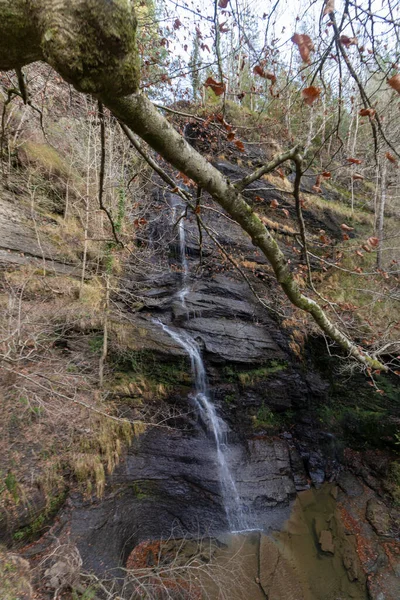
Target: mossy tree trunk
(92,44)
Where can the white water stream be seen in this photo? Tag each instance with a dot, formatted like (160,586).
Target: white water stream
(214,424)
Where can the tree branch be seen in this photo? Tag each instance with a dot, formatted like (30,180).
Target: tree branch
(138,113)
(281,158)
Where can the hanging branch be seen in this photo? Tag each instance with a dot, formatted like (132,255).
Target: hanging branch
(102,172)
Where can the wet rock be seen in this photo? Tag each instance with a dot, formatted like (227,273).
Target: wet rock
(326,541)
(299,472)
(234,341)
(19,244)
(350,484)
(379,517)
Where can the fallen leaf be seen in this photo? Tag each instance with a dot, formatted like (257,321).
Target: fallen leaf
(274,203)
(281,173)
(285,212)
(239,145)
(391,158)
(345,237)
(311,94)
(345,227)
(366,248)
(231,136)
(326,175)
(316,189)
(359,253)
(373,241)
(357,177)
(394,82)
(354,161)
(223,3)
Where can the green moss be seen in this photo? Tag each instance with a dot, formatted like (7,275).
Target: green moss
(265,418)
(144,490)
(145,366)
(11,484)
(252,376)
(35,528)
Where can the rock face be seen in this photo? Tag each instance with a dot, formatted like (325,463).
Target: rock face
(169,486)
(21,243)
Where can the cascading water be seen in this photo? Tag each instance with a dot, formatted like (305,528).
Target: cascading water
(184,290)
(215,425)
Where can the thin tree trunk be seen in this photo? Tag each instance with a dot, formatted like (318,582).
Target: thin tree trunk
(381,216)
(103,356)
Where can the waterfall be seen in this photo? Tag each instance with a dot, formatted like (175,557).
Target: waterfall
(214,424)
(184,289)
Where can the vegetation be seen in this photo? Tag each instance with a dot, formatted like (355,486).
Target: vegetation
(307,116)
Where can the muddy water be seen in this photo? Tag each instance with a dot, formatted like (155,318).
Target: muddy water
(311,558)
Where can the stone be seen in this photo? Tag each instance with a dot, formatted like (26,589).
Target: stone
(378,516)
(326,541)
(350,484)
(234,341)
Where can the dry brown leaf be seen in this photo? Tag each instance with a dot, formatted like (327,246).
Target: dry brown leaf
(394,82)
(274,203)
(257,70)
(354,161)
(367,112)
(223,3)
(373,241)
(304,44)
(391,158)
(329,7)
(357,177)
(345,227)
(311,94)
(348,41)
(239,145)
(217,88)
